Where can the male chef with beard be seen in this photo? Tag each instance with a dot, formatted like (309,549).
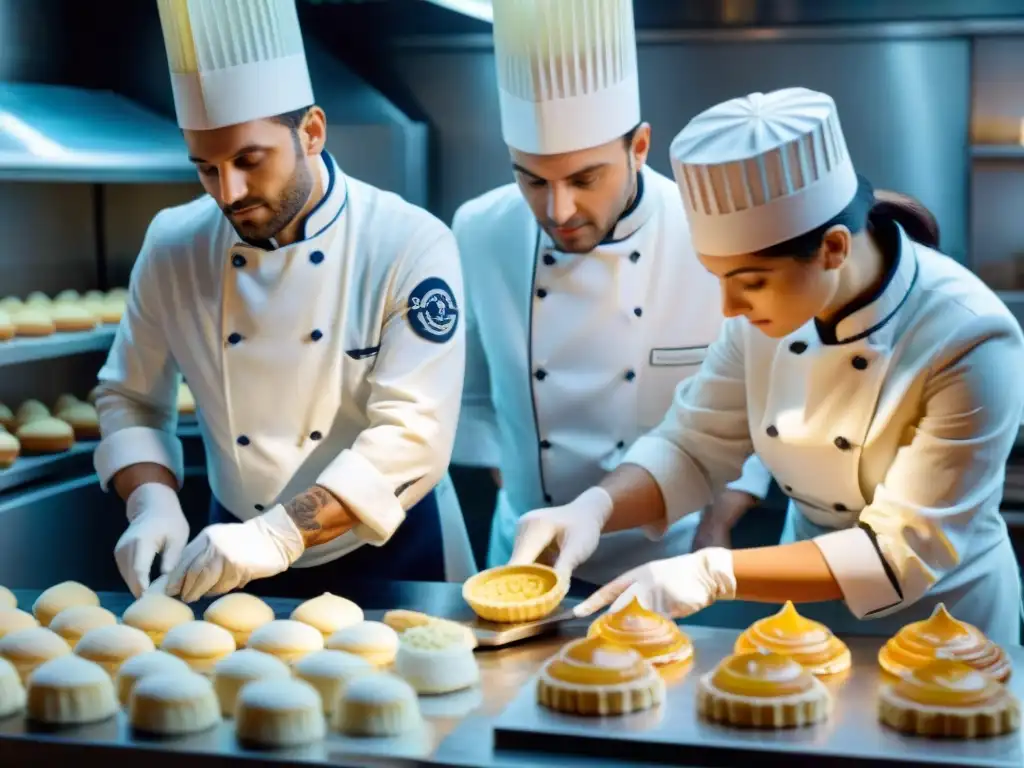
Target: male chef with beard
(317,321)
(586,306)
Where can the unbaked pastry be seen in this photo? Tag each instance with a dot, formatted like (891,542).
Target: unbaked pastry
(31,410)
(329,672)
(287,640)
(32,322)
(12,692)
(372,640)
(200,644)
(112,309)
(7,599)
(112,646)
(146,665)
(328,613)
(435,658)
(7,328)
(942,637)
(233,672)
(28,648)
(240,614)
(67,296)
(157,614)
(69,318)
(173,704)
(762,690)
(592,676)
(10,448)
(948,698)
(46,436)
(279,713)
(73,622)
(657,639)
(70,691)
(37,299)
(83,419)
(515,593)
(13,620)
(7,420)
(377,704)
(60,596)
(810,643)
(10,303)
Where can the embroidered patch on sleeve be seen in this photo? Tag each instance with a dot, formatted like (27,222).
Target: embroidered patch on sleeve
(433,314)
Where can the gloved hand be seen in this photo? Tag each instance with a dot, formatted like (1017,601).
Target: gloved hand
(156,524)
(575,528)
(676,587)
(227,556)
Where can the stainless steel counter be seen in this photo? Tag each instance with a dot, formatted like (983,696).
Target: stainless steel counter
(461,727)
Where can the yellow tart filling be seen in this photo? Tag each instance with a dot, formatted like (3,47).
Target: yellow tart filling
(596,661)
(810,643)
(657,639)
(949,683)
(762,675)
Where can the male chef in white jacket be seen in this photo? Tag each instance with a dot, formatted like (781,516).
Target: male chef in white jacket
(317,322)
(586,306)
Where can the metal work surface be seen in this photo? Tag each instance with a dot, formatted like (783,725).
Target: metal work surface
(674,732)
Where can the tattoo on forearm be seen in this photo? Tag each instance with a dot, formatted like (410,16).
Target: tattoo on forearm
(305,507)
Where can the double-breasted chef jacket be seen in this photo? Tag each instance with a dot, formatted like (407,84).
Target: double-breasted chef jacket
(889,429)
(337,361)
(570,357)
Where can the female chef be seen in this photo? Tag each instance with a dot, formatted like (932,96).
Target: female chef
(877,379)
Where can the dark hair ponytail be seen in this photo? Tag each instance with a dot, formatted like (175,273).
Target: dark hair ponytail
(910,213)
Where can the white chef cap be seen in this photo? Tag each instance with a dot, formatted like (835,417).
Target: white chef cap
(567,73)
(233,61)
(762,169)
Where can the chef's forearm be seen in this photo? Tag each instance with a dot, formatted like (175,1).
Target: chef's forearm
(131,477)
(796,572)
(636,498)
(319,516)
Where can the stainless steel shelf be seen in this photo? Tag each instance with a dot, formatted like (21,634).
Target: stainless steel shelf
(997,152)
(25,350)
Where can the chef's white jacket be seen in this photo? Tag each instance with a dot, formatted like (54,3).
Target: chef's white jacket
(570,357)
(889,429)
(335,361)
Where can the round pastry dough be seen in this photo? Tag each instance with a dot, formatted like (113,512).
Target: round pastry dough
(67,296)
(31,410)
(329,672)
(13,620)
(10,303)
(372,640)
(593,676)
(72,623)
(69,318)
(199,643)
(12,692)
(7,420)
(157,614)
(7,599)
(279,713)
(61,596)
(7,328)
(948,698)
(32,322)
(657,639)
(27,649)
(83,419)
(46,436)
(942,637)
(10,448)
(762,690)
(70,691)
(377,704)
(515,593)
(64,401)
(435,659)
(173,704)
(240,614)
(233,672)
(112,646)
(328,613)
(810,643)
(146,665)
(112,309)
(37,299)
(287,640)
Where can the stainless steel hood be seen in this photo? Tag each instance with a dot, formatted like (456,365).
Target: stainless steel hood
(57,133)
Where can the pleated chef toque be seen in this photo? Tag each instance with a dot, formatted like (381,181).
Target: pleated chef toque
(762,169)
(567,73)
(233,61)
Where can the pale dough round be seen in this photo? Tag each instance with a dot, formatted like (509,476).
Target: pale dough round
(146,665)
(173,704)
(12,692)
(199,643)
(28,648)
(234,672)
(374,641)
(288,640)
(279,713)
(112,646)
(7,599)
(240,614)
(378,704)
(72,623)
(12,620)
(328,613)
(157,614)
(69,691)
(329,672)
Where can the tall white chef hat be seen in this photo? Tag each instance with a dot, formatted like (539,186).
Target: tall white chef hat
(567,74)
(233,61)
(762,169)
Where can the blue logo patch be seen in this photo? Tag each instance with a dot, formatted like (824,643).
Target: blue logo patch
(433,314)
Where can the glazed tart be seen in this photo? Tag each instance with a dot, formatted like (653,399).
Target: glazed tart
(511,594)
(789,634)
(943,637)
(949,698)
(593,676)
(657,639)
(762,690)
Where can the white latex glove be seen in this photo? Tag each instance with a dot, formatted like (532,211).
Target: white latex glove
(156,524)
(227,556)
(575,528)
(676,587)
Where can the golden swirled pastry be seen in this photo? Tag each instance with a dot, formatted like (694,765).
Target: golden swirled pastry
(592,676)
(942,637)
(762,690)
(657,639)
(949,698)
(808,642)
(515,593)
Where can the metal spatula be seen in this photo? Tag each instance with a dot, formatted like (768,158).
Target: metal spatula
(491,635)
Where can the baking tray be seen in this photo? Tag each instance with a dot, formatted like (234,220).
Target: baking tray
(674,734)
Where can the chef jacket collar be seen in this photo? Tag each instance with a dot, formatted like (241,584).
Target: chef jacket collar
(870,315)
(326,212)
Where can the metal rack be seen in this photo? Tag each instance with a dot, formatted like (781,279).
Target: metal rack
(26,350)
